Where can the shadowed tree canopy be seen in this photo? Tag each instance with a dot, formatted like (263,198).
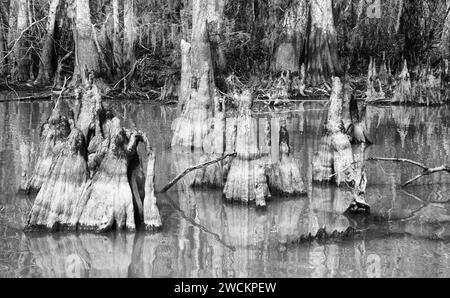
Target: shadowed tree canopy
(135,45)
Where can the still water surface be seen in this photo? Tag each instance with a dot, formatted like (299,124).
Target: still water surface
(203,236)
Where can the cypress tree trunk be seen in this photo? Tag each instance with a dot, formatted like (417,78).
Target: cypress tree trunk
(2,42)
(46,62)
(198,79)
(18,22)
(86,55)
(216,29)
(117,45)
(289,50)
(445,38)
(129,39)
(322,56)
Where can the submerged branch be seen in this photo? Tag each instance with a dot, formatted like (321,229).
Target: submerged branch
(193,168)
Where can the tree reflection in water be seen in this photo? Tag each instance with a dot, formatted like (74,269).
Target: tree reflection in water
(230,240)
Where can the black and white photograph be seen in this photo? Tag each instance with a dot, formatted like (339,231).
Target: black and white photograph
(223,146)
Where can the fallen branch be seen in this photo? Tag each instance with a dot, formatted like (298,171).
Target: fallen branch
(31,97)
(426,170)
(193,168)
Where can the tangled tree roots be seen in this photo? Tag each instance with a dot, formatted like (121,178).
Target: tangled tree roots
(56,201)
(54,134)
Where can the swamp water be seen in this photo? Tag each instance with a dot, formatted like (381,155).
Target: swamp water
(203,236)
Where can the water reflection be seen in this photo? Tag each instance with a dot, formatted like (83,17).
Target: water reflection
(164,255)
(205,237)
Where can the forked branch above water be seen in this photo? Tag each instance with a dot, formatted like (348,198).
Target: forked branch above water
(426,170)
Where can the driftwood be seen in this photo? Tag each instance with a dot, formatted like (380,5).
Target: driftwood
(425,170)
(28,98)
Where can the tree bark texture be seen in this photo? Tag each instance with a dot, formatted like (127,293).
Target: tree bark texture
(322,57)
(333,161)
(87,58)
(295,24)
(18,23)
(129,39)
(46,66)
(197,84)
